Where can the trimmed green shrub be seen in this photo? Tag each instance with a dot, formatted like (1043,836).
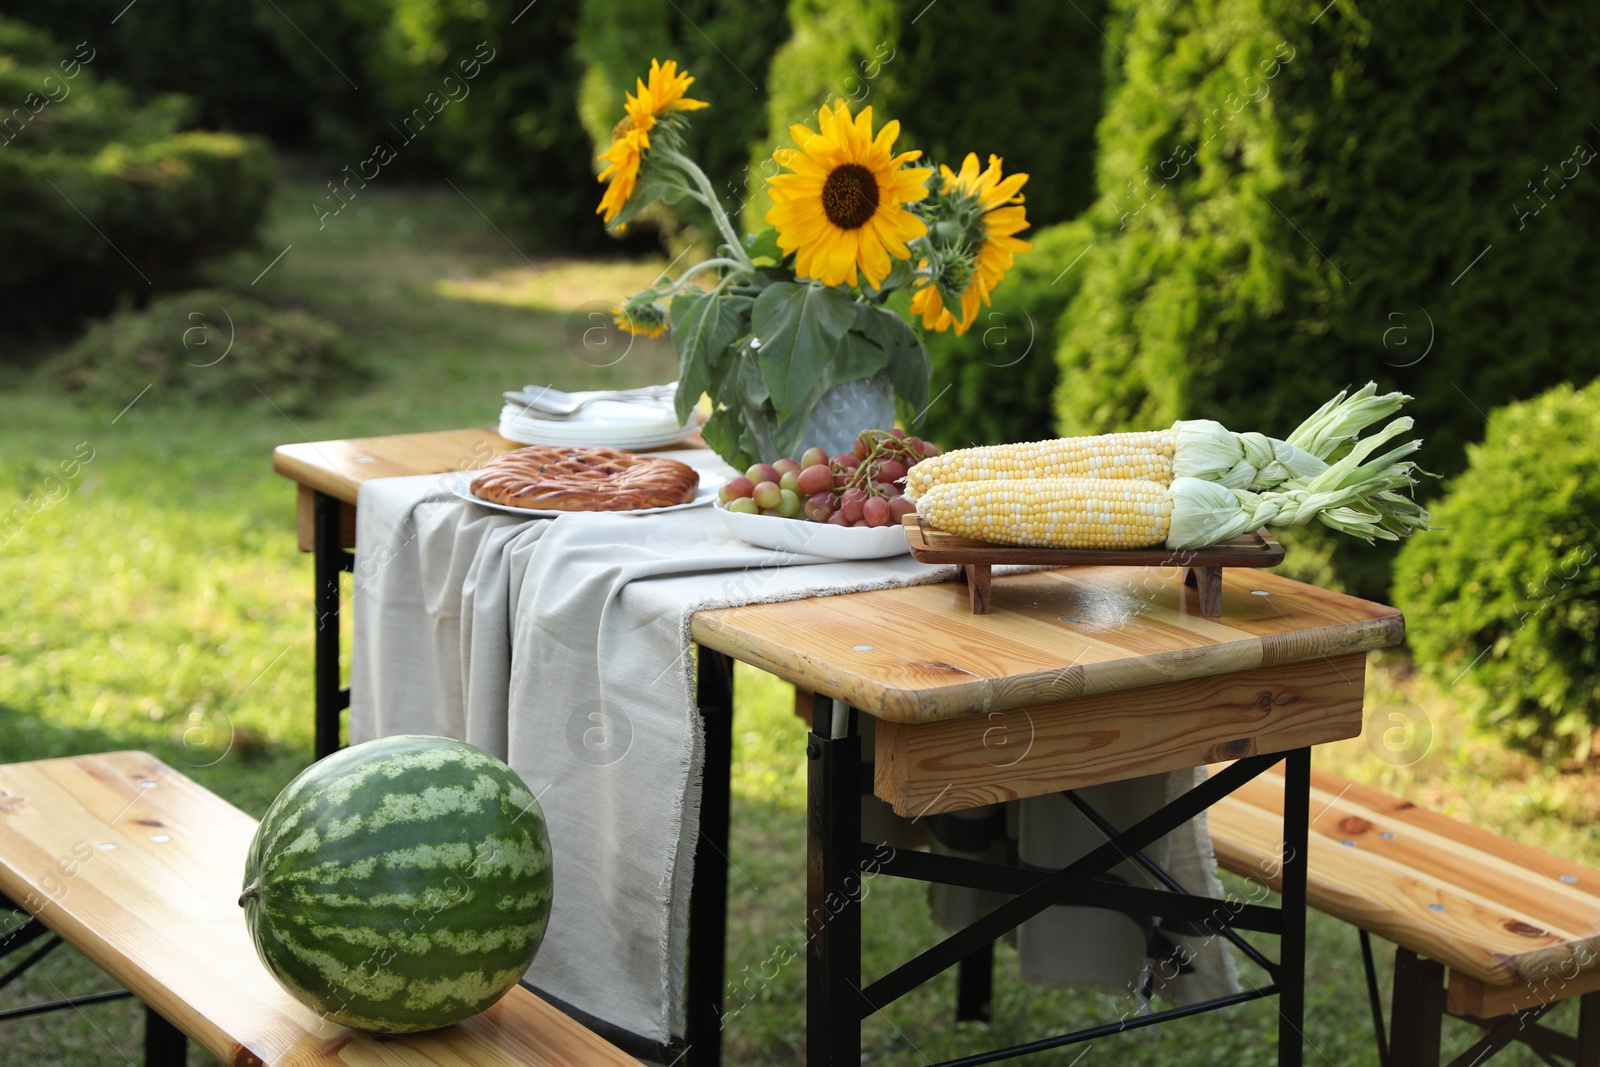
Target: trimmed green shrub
(105,197)
(1502,602)
(1283,201)
(209,347)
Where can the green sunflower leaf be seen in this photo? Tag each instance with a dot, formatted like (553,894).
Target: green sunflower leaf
(862,352)
(799,327)
(908,364)
(723,432)
(763,247)
(703,326)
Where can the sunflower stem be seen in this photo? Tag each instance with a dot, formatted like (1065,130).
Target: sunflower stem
(708,196)
(721,261)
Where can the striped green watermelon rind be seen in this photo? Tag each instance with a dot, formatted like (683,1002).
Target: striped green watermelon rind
(400,885)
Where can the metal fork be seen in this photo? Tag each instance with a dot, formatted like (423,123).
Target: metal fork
(541,405)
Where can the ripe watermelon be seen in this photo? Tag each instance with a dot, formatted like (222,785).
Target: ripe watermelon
(401,884)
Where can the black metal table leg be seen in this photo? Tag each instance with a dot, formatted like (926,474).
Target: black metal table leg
(164,1044)
(1588,1031)
(1292,945)
(975,986)
(329,560)
(834,1007)
(708,905)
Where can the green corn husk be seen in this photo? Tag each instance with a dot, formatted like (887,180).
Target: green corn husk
(1207,449)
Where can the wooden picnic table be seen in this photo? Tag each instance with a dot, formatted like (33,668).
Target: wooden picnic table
(1110,672)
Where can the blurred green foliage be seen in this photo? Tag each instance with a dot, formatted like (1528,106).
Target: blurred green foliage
(223,56)
(1020,79)
(726,46)
(1503,600)
(994,384)
(215,348)
(105,196)
(1290,206)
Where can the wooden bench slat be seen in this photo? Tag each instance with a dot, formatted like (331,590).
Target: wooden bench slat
(1518,880)
(1524,859)
(1506,917)
(162,918)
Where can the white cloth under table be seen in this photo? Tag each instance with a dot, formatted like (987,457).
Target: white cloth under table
(563,646)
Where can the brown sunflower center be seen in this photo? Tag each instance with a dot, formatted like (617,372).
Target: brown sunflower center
(849,196)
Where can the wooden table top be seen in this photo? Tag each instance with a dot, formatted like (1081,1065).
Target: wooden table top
(919,654)
(338,468)
(140,869)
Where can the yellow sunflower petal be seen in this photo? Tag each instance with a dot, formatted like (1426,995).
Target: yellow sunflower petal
(841,207)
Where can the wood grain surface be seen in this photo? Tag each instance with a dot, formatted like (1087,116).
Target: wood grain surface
(1503,913)
(140,869)
(339,467)
(919,654)
(923,768)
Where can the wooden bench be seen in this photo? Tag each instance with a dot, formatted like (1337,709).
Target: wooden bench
(139,868)
(1485,929)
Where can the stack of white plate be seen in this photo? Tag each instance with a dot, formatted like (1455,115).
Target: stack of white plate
(633,424)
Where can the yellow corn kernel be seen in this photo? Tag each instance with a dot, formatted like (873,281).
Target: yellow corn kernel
(1052,512)
(1145,454)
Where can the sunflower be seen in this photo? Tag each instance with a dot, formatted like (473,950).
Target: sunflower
(631,138)
(997,205)
(641,317)
(842,207)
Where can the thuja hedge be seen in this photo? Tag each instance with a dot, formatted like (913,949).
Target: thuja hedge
(1288,206)
(102,197)
(1503,600)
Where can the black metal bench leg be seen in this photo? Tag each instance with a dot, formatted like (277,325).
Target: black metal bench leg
(1418,1015)
(834,1005)
(1380,1032)
(164,1044)
(1588,1031)
(1292,945)
(975,986)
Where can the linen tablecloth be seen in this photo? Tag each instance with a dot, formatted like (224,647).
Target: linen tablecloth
(563,646)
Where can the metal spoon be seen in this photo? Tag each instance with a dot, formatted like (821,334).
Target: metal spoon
(555,404)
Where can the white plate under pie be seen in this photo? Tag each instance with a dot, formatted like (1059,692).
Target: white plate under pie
(705,494)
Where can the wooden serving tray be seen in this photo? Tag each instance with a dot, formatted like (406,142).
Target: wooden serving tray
(1202,566)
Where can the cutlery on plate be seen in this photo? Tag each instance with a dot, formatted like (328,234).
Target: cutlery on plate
(555,404)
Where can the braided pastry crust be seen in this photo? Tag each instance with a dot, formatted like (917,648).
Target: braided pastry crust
(584,479)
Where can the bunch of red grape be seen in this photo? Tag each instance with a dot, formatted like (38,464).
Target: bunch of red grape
(862,487)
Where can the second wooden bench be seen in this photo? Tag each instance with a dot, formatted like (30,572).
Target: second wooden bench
(1485,928)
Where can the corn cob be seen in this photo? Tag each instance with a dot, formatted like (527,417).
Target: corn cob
(1358,496)
(1196,448)
(1052,512)
(1145,455)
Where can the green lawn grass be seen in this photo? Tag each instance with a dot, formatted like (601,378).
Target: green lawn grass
(160,603)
